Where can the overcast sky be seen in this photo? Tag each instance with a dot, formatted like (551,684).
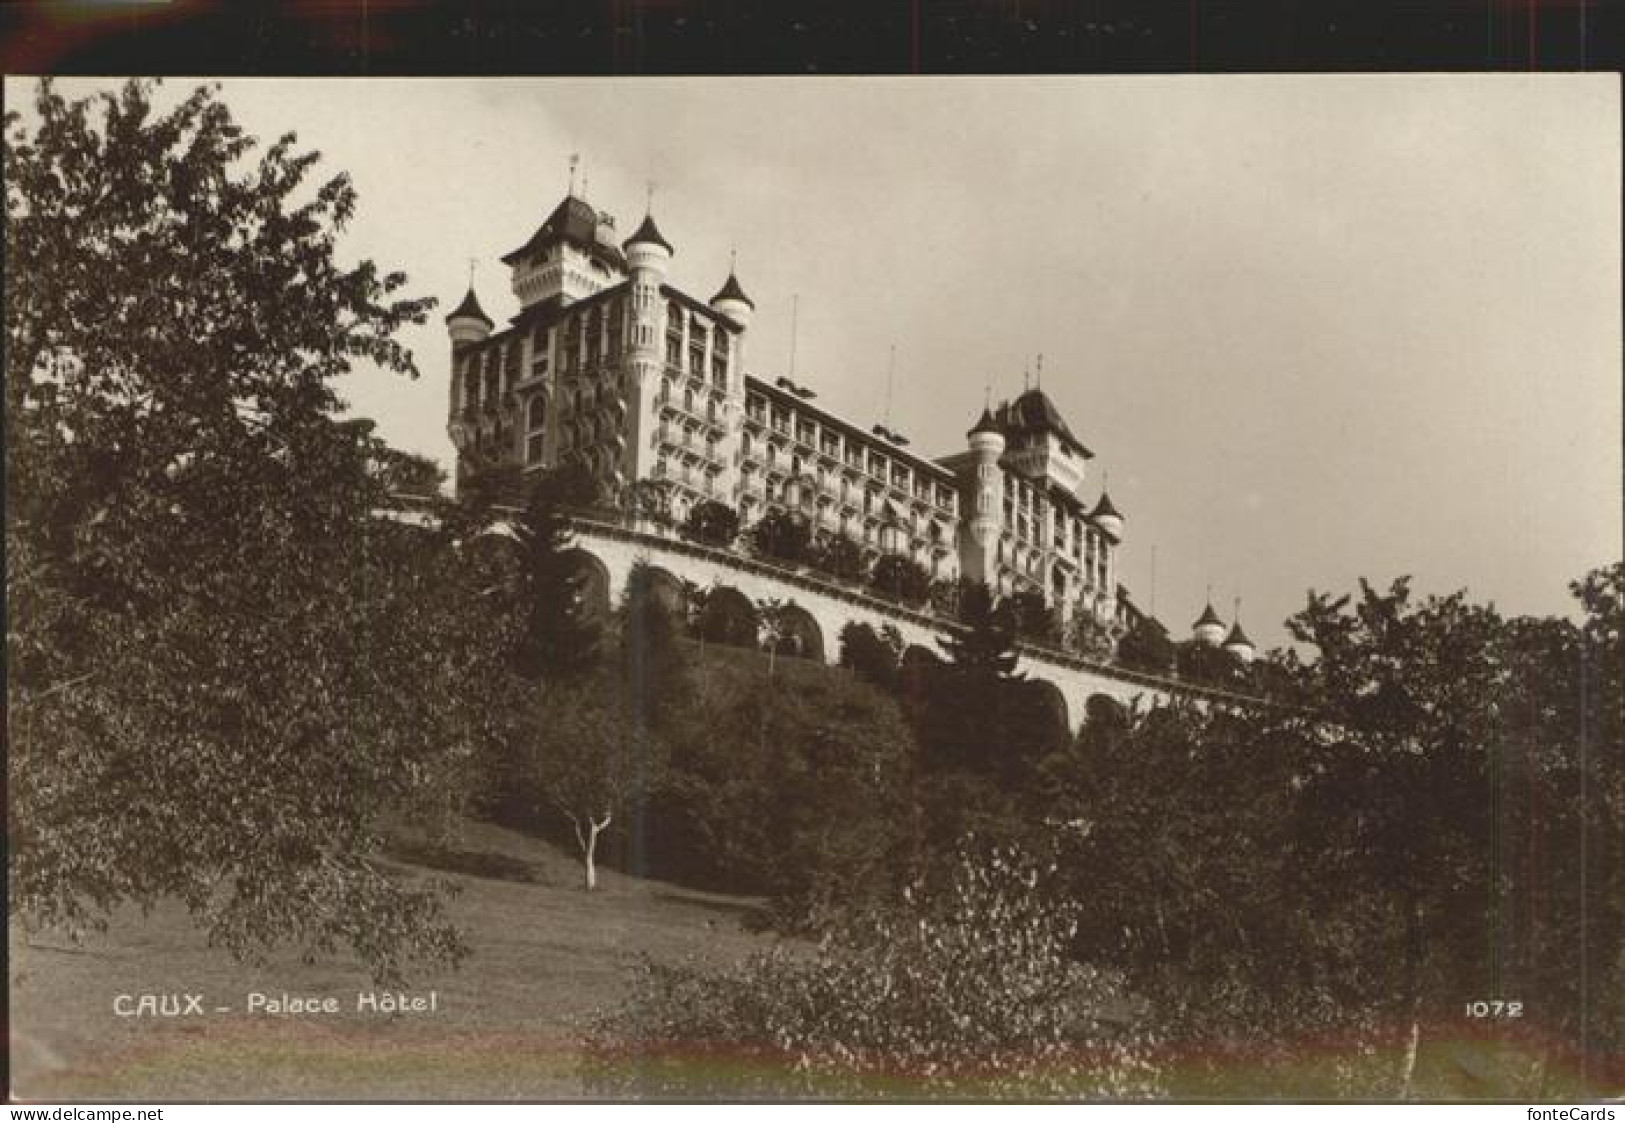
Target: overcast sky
(1315,328)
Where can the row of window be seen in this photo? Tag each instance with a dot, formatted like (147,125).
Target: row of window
(842,446)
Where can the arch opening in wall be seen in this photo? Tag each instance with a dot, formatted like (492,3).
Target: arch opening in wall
(592,585)
(1047,698)
(727,616)
(800,635)
(916,671)
(669,590)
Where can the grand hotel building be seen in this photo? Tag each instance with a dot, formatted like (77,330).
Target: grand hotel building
(609,365)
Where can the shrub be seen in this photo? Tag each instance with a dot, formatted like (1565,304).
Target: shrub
(901,579)
(724,615)
(783,537)
(1146,646)
(840,556)
(711,524)
(873,656)
(967,991)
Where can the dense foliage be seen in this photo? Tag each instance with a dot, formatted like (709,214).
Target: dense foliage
(224,673)
(782,537)
(963,990)
(711,523)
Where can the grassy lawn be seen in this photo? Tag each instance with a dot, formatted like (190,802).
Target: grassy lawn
(545,955)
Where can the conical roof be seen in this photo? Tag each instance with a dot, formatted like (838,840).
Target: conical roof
(1104,508)
(1208,617)
(731,291)
(470,309)
(984,424)
(1237,637)
(647,231)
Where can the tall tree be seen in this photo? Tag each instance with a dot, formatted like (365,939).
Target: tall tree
(224,670)
(560,636)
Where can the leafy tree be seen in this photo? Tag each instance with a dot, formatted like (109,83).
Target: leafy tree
(224,672)
(964,991)
(901,579)
(968,710)
(653,664)
(1146,646)
(724,615)
(797,794)
(1424,722)
(590,754)
(559,637)
(840,556)
(712,523)
(782,536)
(649,501)
(873,656)
(774,615)
(946,593)
(1089,636)
(1211,666)
(1034,619)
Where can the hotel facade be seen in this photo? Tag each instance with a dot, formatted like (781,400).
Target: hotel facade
(610,366)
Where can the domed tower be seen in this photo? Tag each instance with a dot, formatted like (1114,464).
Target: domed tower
(1208,629)
(648,257)
(984,506)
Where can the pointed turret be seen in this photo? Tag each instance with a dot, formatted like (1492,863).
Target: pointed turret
(984,424)
(468,322)
(648,234)
(1209,628)
(1107,517)
(1237,643)
(732,302)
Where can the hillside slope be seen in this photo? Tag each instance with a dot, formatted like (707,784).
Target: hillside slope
(545,955)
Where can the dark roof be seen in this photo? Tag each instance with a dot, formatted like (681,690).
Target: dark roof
(984,424)
(647,231)
(1034,413)
(1237,636)
(1208,617)
(573,220)
(731,291)
(470,307)
(1104,507)
(1061,497)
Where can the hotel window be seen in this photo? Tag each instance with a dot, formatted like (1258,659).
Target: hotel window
(719,372)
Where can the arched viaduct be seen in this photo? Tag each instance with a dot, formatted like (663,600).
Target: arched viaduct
(822,608)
